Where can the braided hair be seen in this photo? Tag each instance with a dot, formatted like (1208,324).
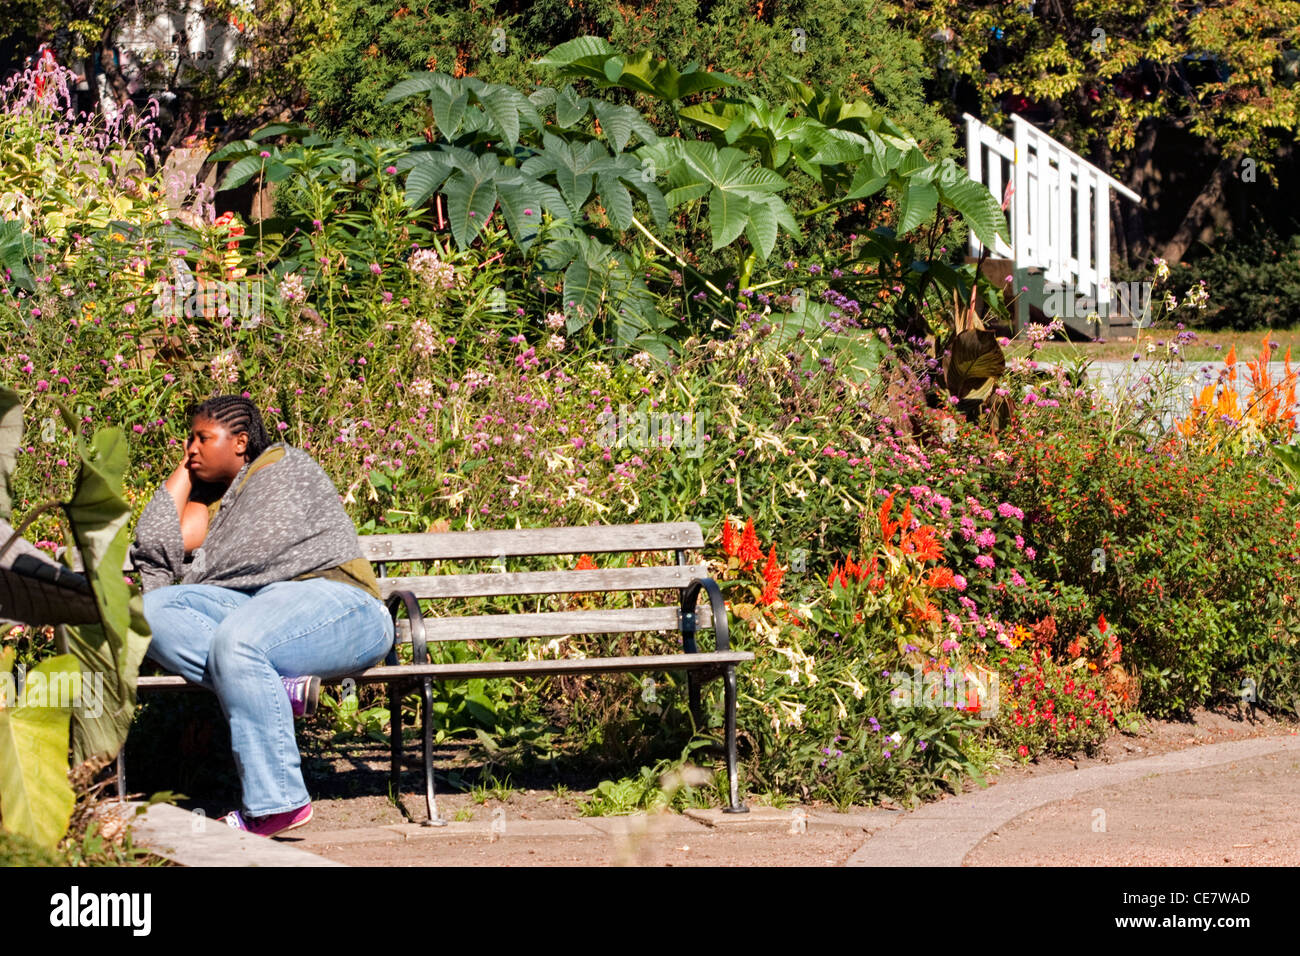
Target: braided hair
(240,417)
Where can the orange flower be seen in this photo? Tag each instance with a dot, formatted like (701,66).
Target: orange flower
(939,578)
(585,563)
(923,544)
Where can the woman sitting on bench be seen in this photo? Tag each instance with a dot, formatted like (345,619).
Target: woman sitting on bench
(273,588)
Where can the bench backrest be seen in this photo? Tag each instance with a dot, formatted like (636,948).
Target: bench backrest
(534,542)
(453,546)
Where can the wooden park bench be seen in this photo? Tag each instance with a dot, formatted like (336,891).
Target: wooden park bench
(404,593)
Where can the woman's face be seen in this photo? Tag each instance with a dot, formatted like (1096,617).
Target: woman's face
(213,454)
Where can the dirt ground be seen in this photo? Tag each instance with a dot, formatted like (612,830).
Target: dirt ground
(1185,819)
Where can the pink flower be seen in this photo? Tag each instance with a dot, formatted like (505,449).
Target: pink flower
(984,561)
(1030,553)
(1017,580)
(1010,511)
(959,583)
(376,268)
(986,538)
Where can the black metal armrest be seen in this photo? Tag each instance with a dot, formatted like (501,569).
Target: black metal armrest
(419,642)
(721,627)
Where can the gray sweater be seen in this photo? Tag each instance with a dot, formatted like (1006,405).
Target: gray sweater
(281,519)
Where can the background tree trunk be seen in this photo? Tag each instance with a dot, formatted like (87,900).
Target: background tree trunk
(1211,195)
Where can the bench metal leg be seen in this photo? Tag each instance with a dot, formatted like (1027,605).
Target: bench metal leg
(395,741)
(693,697)
(431,802)
(733,785)
(121,774)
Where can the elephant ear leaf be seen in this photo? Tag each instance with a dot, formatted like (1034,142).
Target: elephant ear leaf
(36,799)
(11,436)
(974,359)
(114,647)
(1289,456)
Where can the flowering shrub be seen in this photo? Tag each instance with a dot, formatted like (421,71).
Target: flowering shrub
(1050,708)
(821,710)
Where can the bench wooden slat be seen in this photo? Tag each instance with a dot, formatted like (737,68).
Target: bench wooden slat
(491,669)
(544,582)
(554,624)
(528,542)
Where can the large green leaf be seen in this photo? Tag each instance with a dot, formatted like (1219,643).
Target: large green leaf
(728,216)
(241,172)
(581,48)
(428,172)
(521,203)
(17,248)
(619,123)
(471,196)
(36,799)
(11,436)
(98,514)
(508,107)
(978,207)
(920,199)
(583,286)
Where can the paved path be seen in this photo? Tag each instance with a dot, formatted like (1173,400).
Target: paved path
(944,833)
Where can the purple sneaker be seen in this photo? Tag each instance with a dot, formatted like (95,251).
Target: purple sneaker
(304,694)
(269,825)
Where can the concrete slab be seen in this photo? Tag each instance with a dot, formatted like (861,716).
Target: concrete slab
(192,839)
(757,817)
(640,823)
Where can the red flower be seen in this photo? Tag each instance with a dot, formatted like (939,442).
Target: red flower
(1102,626)
(887,527)
(1023,751)
(728,538)
(750,552)
(772,575)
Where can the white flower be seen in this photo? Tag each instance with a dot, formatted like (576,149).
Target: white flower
(421,387)
(291,289)
(432,271)
(555,321)
(896,737)
(556,342)
(423,339)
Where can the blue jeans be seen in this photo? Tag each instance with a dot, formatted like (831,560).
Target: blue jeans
(240,643)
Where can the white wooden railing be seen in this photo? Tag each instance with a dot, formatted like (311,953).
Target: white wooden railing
(1060,207)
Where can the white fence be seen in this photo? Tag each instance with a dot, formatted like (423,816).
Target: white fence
(1060,207)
